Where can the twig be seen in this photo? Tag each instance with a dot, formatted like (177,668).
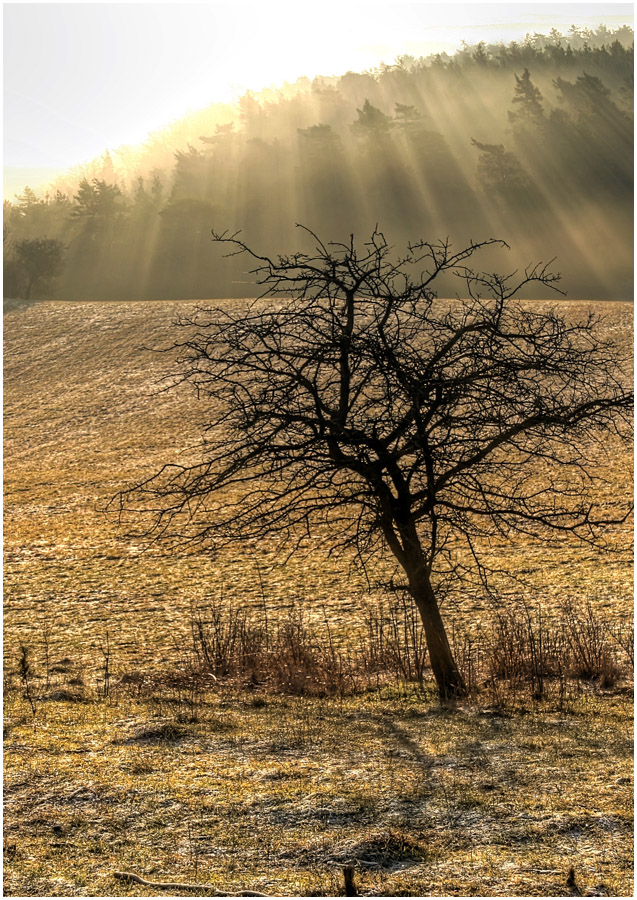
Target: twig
(174,885)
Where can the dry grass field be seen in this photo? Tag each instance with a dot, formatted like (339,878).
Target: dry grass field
(242,788)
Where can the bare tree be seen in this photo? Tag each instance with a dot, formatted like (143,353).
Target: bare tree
(348,394)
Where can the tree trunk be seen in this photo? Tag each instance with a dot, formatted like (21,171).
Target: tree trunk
(448,677)
(407,549)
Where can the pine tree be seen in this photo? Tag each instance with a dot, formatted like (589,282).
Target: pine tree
(371,122)
(529,100)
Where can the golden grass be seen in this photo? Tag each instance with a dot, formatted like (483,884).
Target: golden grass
(275,795)
(83,418)
(278,795)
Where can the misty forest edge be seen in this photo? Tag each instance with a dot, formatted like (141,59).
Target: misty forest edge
(531,141)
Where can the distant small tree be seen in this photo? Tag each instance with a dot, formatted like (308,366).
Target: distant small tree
(38,261)
(479,55)
(408,425)
(27,199)
(407,115)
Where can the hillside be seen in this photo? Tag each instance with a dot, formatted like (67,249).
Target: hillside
(531,143)
(84,417)
(119,757)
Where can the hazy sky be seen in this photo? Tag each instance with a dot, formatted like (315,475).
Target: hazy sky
(83,77)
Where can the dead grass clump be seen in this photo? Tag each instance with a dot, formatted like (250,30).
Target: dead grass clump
(138,766)
(518,654)
(383,850)
(63,696)
(60,669)
(166,733)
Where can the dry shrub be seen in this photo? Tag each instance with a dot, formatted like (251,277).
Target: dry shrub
(519,650)
(526,650)
(592,654)
(395,641)
(287,656)
(518,653)
(523,650)
(290,656)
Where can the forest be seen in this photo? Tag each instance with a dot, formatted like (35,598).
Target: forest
(530,142)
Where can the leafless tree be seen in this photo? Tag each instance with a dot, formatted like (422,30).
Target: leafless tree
(348,394)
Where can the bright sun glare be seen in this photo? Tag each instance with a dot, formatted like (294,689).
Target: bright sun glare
(69,97)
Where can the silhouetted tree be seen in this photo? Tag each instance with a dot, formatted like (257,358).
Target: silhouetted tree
(87,199)
(479,55)
(387,172)
(191,177)
(597,137)
(98,207)
(501,172)
(27,201)
(371,123)
(433,179)
(529,99)
(251,115)
(325,185)
(356,400)
(180,261)
(590,101)
(38,261)
(31,215)
(98,239)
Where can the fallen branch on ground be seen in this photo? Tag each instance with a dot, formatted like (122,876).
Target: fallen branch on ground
(173,885)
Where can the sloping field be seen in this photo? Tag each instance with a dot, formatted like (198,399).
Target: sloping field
(85,415)
(238,789)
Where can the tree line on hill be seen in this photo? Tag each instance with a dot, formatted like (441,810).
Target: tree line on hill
(528,141)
